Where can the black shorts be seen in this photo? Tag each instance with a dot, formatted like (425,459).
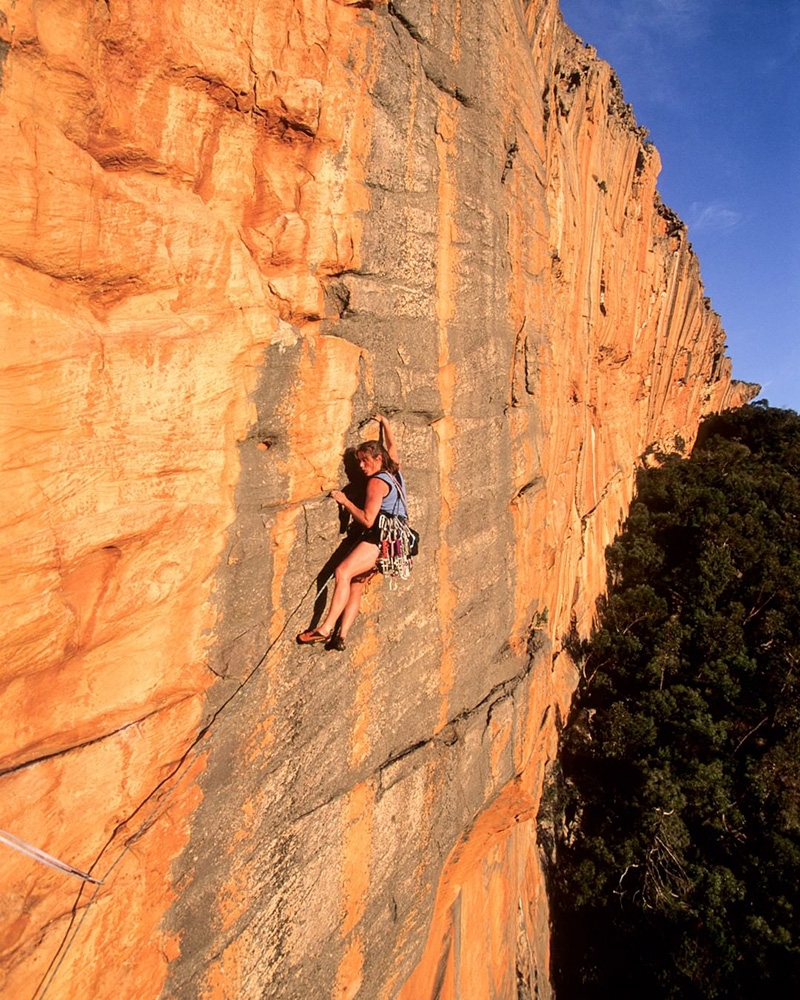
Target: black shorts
(372,535)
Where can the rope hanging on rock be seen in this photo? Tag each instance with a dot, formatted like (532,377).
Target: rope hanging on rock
(73,928)
(44,858)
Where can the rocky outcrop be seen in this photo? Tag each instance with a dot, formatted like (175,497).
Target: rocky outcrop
(231,232)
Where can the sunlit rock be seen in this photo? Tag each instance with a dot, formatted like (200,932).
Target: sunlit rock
(231,232)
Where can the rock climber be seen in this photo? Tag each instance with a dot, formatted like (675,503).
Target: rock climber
(380,464)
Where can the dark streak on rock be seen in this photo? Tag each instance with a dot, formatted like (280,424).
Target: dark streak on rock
(245,103)
(439,80)
(530,488)
(5,46)
(511,152)
(411,28)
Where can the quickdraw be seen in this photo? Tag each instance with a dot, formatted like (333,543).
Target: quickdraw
(394,559)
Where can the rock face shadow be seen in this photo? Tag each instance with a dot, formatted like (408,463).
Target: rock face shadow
(356,491)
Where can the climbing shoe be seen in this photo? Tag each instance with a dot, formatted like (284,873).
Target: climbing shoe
(311,636)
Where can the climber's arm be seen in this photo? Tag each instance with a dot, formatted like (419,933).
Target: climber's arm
(377,489)
(388,438)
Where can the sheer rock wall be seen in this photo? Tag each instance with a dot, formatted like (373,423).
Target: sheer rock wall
(230,233)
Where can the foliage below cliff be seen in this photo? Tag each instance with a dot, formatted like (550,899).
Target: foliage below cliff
(677,862)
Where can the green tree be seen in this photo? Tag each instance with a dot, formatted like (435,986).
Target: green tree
(677,871)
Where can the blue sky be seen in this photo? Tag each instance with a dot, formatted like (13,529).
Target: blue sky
(717,83)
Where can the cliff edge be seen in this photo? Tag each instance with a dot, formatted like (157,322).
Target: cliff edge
(231,233)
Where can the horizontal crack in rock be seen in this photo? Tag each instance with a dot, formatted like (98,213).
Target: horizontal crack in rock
(90,742)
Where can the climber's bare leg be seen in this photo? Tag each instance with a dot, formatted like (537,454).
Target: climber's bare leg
(352,607)
(361,559)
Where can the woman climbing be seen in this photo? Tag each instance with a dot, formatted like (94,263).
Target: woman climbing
(385,495)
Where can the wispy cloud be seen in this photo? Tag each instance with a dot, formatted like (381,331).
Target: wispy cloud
(686,20)
(680,11)
(712,217)
(647,40)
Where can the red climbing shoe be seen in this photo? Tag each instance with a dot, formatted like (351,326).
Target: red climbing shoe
(311,636)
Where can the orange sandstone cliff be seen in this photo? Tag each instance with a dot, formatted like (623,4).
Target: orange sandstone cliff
(231,232)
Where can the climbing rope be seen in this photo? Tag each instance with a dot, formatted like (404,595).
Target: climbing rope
(42,856)
(75,923)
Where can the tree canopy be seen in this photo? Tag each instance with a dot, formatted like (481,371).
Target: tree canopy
(676,855)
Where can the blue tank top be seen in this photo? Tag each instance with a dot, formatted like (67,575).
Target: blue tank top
(393,502)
